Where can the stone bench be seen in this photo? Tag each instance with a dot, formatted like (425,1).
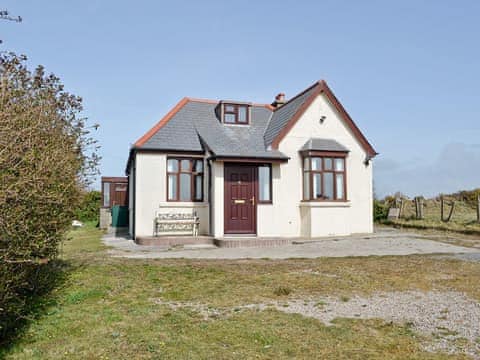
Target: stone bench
(176,222)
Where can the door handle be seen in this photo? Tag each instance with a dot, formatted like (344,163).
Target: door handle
(253,200)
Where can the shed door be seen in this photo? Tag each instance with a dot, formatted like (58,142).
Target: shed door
(120,194)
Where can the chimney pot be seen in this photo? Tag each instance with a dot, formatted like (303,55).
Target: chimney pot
(279,100)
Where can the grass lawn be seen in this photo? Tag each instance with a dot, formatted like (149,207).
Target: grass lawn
(110,308)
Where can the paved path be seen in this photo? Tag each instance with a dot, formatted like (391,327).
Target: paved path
(383,243)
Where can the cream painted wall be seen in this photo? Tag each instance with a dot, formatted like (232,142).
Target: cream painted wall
(288,216)
(217,198)
(276,219)
(150,195)
(131,186)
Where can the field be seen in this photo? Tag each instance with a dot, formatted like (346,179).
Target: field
(464,219)
(111,308)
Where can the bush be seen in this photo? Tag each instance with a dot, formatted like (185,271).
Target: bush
(380,210)
(89,207)
(46,159)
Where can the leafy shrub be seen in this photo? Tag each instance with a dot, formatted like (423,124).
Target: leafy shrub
(46,159)
(89,207)
(380,210)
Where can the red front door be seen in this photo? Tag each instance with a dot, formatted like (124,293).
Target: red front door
(240,209)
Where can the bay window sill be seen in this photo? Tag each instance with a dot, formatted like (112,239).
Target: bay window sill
(325,204)
(182,204)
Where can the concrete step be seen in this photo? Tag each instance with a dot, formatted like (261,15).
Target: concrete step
(252,242)
(199,246)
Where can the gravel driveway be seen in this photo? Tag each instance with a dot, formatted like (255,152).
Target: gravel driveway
(449,320)
(381,243)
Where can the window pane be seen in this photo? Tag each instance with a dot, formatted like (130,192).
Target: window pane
(199,166)
(242,114)
(328,163)
(230,118)
(172,165)
(229,108)
(198,187)
(172,187)
(328,186)
(339,184)
(306,163)
(264,183)
(339,165)
(185,165)
(317,186)
(185,187)
(316,163)
(306,185)
(106,194)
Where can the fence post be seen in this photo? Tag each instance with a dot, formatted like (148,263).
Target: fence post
(441,207)
(478,208)
(442,213)
(421,205)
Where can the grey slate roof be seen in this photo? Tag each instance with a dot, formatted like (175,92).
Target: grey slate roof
(196,127)
(178,133)
(281,116)
(196,123)
(317,144)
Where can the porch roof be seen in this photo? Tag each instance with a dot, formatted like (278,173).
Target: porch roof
(316,144)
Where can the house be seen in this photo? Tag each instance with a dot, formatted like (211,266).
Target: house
(296,168)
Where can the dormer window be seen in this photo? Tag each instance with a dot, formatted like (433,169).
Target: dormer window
(235,114)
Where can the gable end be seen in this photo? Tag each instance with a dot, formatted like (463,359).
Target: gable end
(319,88)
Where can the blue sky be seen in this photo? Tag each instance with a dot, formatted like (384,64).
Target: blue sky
(406,71)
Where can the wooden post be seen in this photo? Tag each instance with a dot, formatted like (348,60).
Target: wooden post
(451,210)
(478,208)
(441,207)
(420,207)
(442,213)
(417,210)
(400,211)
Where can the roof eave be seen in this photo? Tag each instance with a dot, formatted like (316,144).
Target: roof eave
(248,158)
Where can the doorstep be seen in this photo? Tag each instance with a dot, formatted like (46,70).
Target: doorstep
(240,241)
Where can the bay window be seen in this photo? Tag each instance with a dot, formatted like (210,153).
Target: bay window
(184,179)
(324,177)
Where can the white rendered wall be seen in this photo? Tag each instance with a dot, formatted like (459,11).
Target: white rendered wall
(288,215)
(131,187)
(151,197)
(217,198)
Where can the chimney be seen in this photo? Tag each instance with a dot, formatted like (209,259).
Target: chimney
(279,100)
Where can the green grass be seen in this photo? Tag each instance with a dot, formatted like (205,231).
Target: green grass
(106,308)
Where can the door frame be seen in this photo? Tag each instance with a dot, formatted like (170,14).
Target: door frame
(254,168)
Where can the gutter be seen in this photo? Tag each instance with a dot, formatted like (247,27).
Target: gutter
(244,157)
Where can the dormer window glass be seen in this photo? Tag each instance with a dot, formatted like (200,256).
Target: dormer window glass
(235,114)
